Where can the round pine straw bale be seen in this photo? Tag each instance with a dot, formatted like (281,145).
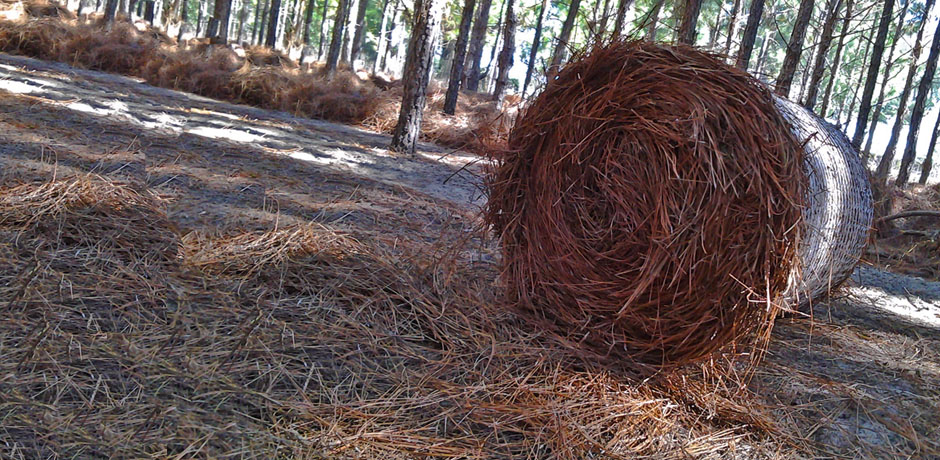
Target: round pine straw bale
(649,204)
(838,212)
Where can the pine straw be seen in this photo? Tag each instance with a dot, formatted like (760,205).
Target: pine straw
(649,203)
(262,78)
(300,342)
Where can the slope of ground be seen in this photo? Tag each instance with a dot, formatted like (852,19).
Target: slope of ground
(186,278)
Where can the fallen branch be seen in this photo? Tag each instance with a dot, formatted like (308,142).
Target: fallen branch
(915,213)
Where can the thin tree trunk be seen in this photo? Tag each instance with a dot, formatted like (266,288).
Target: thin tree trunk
(382,43)
(389,36)
(360,31)
(822,51)
(275,11)
(321,37)
(713,31)
(889,63)
(537,43)
(928,160)
(653,18)
(864,109)
(764,46)
(561,48)
(263,24)
(690,13)
(794,49)
(110,11)
(242,19)
(347,29)
(732,26)
(622,7)
(837,59)
(308,19)
(499,33)
(417,75)
(605,16)
(460,51)
(884,166)
(917,112)
(856,86)
(184,16)
(750,34)
(475,47)
(506,54)
(332,59)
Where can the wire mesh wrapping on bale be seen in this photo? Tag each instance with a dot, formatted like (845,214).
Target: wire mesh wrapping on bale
(838,211)
(649,203)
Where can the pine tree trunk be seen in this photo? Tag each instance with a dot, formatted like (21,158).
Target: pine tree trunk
(690,13)
(821,52)
(499,32)
(383,66)
(917,112)
(750,34)
(460,52)
(732,26)
(242,19)
(928,160)
(475,47)
(427,19)
(110,11)
(506,54)
(184,17)
(622,7)
(764,45)
(713,31)
(308,19)
(837,60)
(794,49)
(889,63)
(864,109)
(856,86)
(336,42)
(382,43)
(349,30)
(321,37)
(360,31)
(884,166)
(263,23)
(537,43)
(275,11)
(653,19)
(219,23)
(561,49)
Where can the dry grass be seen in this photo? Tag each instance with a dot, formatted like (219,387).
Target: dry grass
(263,78)
(303,342)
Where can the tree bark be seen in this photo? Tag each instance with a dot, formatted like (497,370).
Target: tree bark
(864,109)
(856,86)
(308,19)
(506,54)
(750,34)
(917,112)
(622,7)
(499,33)
(794,49)
(383,66)
(110,11)
(360,31)
(460,52)
(889,63)
(275,11)
(561,48)
(884,165)
(336,42)
(242,19)
(349,25)
(321,35)
(928,160)
(819,66)
(537,43)
(475,47)
(427,19)
(219,27)
(837,60)
(653,18)
(732,26)
(263,23)
(381,39)
(687,27)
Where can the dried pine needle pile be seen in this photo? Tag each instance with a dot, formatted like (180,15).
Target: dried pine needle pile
(649,203)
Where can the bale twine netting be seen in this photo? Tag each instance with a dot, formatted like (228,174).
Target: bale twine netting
(651,204)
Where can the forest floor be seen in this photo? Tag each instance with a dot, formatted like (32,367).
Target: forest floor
(856,378)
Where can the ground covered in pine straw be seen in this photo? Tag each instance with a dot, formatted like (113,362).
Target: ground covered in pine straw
(169,293)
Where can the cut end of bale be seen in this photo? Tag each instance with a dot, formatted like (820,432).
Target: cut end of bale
(649,204)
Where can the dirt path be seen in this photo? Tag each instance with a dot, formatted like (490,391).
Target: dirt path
(339,148)
(858,378)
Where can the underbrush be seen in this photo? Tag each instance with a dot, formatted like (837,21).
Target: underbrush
(256,76)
